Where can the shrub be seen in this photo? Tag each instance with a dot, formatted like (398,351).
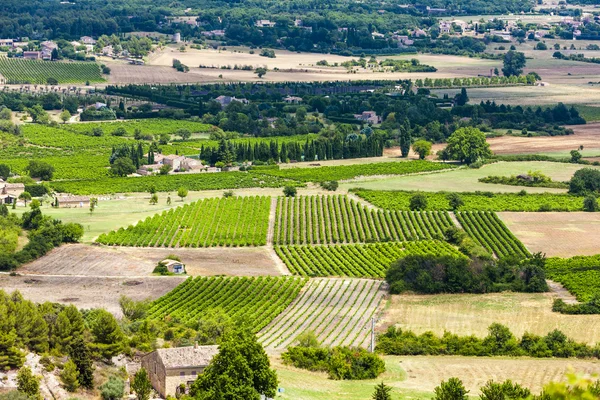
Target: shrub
(590,204)
(418,202)
(113,389)
(451,390)
(290,191)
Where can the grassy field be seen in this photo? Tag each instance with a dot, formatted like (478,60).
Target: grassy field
(466,179)
(472,314)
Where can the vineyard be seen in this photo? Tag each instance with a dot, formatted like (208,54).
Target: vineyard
(154,126)
(238,221)
(338,311)
(257,299)
(579,275)
(400,200)
(356,260)
(490,232)
(338,219)
(37,72)
(344,172)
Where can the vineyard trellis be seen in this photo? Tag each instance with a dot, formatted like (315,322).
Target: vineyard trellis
(38,72)
(356,260)
(580,275)
(257,299)
(237,221)
(338,219)
(489,231)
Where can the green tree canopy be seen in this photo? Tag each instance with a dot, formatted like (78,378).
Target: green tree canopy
(468,145)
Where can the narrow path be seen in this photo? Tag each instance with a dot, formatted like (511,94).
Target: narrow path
(362,201)
(272,216)
(559,290)
(455,220)
(278,263)
(125,277)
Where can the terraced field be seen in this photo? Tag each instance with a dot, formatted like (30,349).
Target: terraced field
(338,311)
(355,260)
(239,221)
(338,219)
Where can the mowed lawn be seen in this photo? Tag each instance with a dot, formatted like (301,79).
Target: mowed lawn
(472,314)
(467,179)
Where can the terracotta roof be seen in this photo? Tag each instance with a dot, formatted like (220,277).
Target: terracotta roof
(183,357)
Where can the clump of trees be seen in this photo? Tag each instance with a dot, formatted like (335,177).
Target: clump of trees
(467,145)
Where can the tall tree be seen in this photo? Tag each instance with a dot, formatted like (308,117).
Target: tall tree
(514,62)
(82,357)
(468,145)
(382,392)
(141,385)
(405,138)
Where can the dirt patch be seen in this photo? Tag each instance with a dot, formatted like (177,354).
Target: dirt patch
(471,314)
(557,234)
(88,292)
(101,261)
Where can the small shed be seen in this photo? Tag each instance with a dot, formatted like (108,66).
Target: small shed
(174,266)
(72,201)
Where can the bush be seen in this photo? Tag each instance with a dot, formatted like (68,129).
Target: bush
(590,204)
(113,389)
(330,185)
(418,202)
(290,191)
(451,390)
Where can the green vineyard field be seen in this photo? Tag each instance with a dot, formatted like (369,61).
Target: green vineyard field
(338,219)
(489,231)
(257,299)
(356,260)
(238,221)
(579,275)
(37,72)
(400,200)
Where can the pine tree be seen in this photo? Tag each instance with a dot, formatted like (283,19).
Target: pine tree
(108,337)
(10,355)
(69,376)
(382,392)
(28,384)
(141,385)
(82,357)
(405,139)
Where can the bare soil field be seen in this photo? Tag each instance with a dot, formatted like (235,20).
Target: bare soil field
(425,373)
(558,234)
(100,261)
(89,292)
(472,314)
(585,135)
(338,311)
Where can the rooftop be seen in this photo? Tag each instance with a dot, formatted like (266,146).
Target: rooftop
(183,357)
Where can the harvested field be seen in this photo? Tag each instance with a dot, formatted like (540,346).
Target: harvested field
(89,292)
(338,311)
(556,234)
(472,314)
(585,135)
(84,260)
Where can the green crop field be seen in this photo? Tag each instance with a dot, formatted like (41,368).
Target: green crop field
(580,275)
(258,299)
(400,200)
(356,260)
(490,232)
(38,72)
(237,221)
(338,219)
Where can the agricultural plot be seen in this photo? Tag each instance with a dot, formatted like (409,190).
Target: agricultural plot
(338,311)
(259,300)
(338,219)
(400,200)
(154,126)
(579,275)
(239,221)
(490,232)
(356,260)
(38,72)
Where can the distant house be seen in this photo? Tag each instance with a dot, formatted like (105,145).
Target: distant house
(169,369)
(293,100)
(48,44)
(87,40)
(174,266)
(149,169)
(419,33)
(403,40)
(10,192)
(7,42)
(226,100)
(176,37)
(216,32)
(100,106)
(32,55)
(264,23)
(71,201)
(174,161)
(369,117)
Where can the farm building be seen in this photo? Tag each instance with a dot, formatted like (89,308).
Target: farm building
(32,55)
(170,368)
(293,99)
(71,201)
(10,192)
(369,117)
(174,266)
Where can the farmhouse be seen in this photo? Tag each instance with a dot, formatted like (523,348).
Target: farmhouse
(168,369)
(173,266)
(32,55)
(10,192)
(87,40)
(7,42)
(369,117)
(264,23)
(71,201)
(225,100)
(293,99)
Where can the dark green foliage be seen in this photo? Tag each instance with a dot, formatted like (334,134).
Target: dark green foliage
(4,171)
(504,391)
(418,202)
(499,342)
(341,363)
(590,203)
(514,62)
(141,385)
(591,307)
(382,392)
(455,201)
(453,389)
(122,166)
(28,384)
(290,191)
(240,371)
(108,338)
(40,169)
(82,357)
(585,180)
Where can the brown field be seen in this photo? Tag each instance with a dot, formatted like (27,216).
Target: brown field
(425,373)
(472,314)
(89,292)
(585,135)
(101,261)
(558,234)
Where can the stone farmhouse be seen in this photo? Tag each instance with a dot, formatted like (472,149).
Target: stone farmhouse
(177,163)
(10,192)
(71,201)
(369,117)
(170,369)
